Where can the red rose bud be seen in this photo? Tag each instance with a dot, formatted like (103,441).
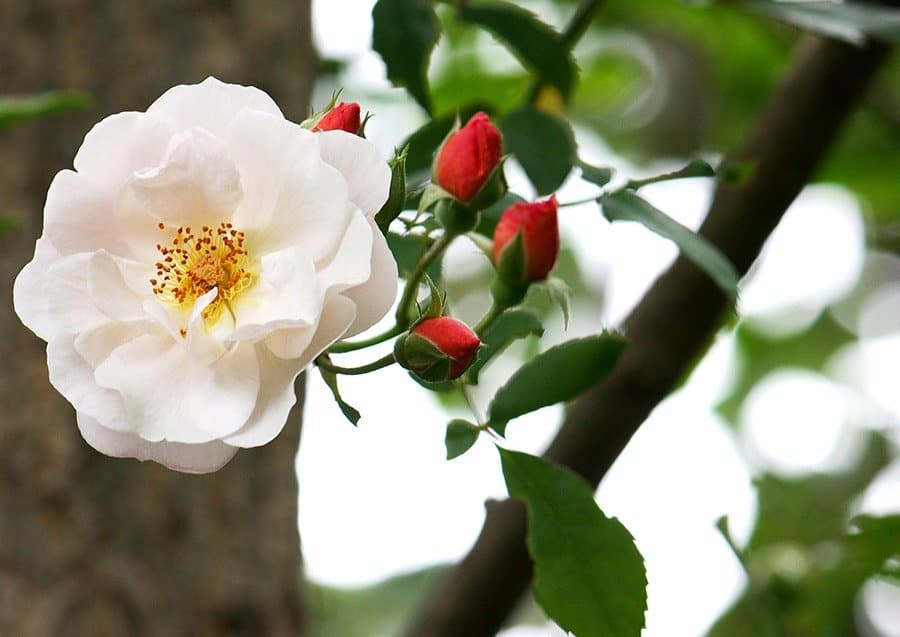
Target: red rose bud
(438,349)
(468,157)
(344,116)
(539,228)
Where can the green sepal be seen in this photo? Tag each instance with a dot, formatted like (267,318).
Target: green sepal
(431,195)
(437,302)
(422,357)
(396,200)
(310,122)
(455,217)
(492,190)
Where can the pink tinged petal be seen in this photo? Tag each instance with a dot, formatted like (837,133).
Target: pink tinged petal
(277,375)
(79,216)
(73,377)
(366,172)
(120,145)
(285,293)
(196,184)
(291,196)
(376,296)
(221,397)
(188,458)
(211,104)
(29,299)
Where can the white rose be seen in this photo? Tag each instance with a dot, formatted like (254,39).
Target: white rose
(199,256)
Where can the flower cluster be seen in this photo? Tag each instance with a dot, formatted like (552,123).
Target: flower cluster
(204,252)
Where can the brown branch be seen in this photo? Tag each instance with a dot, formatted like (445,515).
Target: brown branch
(670,328)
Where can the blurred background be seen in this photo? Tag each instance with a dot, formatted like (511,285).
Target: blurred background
(739,487)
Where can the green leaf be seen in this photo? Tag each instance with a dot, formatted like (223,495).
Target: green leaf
(597,175)
(461,435)
(404,32)
(537,46)
(850,21)
(589,576)
(510,326)
(406,249)
(627,206)
(561,294)
(491,216)
(696,168)
(543,145)
(20,108)
(349,411)
(557,375)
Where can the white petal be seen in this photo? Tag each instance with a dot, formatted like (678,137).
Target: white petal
(367,174)
(68,297)
(198,458)
(196,184)
(109,291)
(352,263)
(211,104)
(151,374)
(276,396)
(291,196)
(221,397)
(167,397)
(29,299)
(73,377)
(119,145)
(375,297)
(306,343)
(285,293)
(79,216)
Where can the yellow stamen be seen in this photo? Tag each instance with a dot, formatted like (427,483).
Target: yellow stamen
(191,265)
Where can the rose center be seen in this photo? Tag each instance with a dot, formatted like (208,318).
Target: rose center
(192,264)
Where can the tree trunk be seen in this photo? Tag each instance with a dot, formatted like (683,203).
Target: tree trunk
(92,546)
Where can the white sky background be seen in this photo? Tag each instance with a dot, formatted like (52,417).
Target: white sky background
(380,499)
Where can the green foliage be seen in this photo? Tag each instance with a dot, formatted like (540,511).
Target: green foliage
(852,21)
(19,108)
(544,145)
(597,175)
(805,566)
(556,375)
(627,206)
(560,295)
(535,44)
(588,575)
(760,354)
(512,325)
(460,436)
(404,33)
(407,249)
(9,224)
(379,609)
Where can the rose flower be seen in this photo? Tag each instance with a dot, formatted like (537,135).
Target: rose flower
(200,255)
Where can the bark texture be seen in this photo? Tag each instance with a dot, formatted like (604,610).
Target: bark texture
(92,546)
(670,328)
